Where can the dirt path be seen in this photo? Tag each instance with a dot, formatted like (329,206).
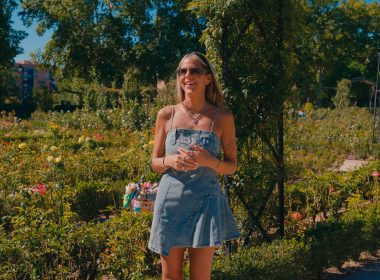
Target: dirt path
(368,268)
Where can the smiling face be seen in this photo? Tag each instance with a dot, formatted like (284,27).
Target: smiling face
(193,77)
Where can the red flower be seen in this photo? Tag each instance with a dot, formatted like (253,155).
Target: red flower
(99,137)
(40,189)
(296,216)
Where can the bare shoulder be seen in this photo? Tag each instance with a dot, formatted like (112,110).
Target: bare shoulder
(225,123)
(165,113)
(225,115)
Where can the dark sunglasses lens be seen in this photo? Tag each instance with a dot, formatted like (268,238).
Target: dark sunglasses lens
(182,71)
(195,71)
(192,71)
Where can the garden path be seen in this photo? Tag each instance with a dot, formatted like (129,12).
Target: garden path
(368,272)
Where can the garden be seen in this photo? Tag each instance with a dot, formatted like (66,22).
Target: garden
(299,78)
(63,177)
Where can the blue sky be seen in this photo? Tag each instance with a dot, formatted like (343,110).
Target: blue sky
(34,42)
(31,43)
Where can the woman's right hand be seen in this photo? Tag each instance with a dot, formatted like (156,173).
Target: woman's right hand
(180,162)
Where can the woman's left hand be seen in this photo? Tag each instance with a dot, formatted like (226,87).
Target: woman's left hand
(199,154)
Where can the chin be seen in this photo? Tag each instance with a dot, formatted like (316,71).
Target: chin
(191,91)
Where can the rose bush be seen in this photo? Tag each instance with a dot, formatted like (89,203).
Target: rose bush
(62,177)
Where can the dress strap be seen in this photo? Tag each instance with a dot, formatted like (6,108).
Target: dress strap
(172,118)
(213,120)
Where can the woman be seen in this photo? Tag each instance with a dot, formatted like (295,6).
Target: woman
(191,211)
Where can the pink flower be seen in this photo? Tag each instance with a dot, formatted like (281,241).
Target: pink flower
(40,189)
(99,137)
(147,185)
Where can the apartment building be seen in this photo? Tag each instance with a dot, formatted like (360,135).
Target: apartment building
(29,77)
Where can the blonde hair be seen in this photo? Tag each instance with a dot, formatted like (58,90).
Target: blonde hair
(213,92)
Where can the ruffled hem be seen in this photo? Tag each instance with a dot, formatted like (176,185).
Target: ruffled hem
(165,253)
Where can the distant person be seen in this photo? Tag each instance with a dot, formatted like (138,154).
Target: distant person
(191,212)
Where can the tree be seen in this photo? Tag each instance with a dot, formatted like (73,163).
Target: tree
(343,96)
(334,40)
(9,38)
(9,47)
(88,41)
(106,40)
(162,38)
(249,41)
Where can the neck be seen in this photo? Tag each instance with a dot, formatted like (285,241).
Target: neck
(195,105)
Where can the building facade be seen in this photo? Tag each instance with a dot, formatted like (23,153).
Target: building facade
(29,77)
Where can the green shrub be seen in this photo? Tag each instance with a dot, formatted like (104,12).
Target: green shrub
(370,215)
(282,259)
(127,255)
(333,242)
(343,96)
(92,197)
(328,244)
(41,248)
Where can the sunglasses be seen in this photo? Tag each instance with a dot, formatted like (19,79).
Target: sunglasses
(191,71)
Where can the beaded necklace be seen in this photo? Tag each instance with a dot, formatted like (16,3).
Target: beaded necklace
(195,117)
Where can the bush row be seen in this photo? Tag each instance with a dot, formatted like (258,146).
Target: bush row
(328,193)
(68,249)
(38,248)
(328,244)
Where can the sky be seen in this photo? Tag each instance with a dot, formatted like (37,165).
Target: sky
(31,43)
(34,42)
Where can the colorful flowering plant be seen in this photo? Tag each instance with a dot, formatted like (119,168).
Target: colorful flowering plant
(140,196)
(39,189)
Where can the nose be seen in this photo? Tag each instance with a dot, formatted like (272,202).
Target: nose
(188,73)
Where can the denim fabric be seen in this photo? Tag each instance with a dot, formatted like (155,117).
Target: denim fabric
(190,209)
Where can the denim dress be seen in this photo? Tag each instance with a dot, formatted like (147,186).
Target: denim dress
(191,209)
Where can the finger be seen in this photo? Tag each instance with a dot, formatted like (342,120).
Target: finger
(188,162)
(187,158)
(183,167)
(197,148)
(191,159)
(184,151)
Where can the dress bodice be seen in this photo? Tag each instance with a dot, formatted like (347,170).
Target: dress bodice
(183,138)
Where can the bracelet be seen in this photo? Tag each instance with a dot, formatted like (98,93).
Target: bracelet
(163,161)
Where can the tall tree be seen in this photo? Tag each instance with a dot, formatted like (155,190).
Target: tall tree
(9,46)
(88,39)
(163,36)
(9,38)
(106,39)
(335,40)
(250,43)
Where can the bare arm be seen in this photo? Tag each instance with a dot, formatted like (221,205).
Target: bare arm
(229,163)
(162,120)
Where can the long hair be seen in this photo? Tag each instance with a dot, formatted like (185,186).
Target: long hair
(213,93)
